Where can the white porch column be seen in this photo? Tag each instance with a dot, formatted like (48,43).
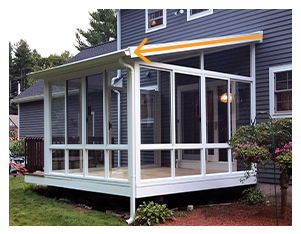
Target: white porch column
(47,127)
(253,76)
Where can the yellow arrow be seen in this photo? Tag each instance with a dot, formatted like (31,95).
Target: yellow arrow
(140,51)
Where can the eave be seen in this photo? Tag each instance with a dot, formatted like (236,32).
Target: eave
(81,68)
(209,44)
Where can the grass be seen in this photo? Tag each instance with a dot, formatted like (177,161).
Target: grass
(27,208)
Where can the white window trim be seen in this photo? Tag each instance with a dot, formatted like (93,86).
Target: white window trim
(272,71)
(147,30)
(198,15)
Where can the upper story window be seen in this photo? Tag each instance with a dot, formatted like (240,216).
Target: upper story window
(155,19)
(197,13)
(281,91)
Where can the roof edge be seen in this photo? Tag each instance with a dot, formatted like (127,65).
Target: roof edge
(202,43)
(28,99)
(40,74)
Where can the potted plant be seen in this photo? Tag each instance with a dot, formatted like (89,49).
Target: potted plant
(250,153)
(283,157)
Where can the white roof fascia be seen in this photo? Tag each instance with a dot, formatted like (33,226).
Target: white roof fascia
(96,61)
(198,44)
(29,99)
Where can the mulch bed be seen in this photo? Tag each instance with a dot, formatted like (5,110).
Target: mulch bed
(233,214)
(14,174)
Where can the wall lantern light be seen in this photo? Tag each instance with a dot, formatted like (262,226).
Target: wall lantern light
(180,11)
(224,98)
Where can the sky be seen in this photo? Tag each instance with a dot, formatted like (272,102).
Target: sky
(49,29)
(50,26)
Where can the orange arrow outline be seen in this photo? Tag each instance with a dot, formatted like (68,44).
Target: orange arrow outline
(139,52)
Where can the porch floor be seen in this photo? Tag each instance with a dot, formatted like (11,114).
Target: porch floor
(146,173)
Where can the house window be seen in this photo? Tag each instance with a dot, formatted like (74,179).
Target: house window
(281,91)
(155,19)
(197,13)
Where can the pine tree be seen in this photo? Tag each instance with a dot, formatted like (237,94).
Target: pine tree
(103,24)
(23,62)
(13,83)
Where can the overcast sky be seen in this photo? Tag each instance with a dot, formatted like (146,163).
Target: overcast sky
(50,26)
(48,29)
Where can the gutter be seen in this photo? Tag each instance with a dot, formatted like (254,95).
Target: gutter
(132,179)
(29,99)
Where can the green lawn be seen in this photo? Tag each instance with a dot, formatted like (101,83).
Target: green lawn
(27,208)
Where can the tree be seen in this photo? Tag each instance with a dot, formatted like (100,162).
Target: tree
(103,24)
(23,62)
(13,83)
(52,60)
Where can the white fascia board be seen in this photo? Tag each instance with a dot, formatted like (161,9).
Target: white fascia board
(207,43)
(29,99)
(96,61)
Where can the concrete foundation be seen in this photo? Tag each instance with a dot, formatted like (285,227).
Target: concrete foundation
(269,191)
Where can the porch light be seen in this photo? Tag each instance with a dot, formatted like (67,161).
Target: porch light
(224,98)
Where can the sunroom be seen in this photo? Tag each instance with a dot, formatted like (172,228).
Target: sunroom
(118,125)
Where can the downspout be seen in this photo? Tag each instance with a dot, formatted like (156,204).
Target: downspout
(132,178)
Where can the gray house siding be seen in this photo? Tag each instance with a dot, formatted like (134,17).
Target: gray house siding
(276,48)
(31,119)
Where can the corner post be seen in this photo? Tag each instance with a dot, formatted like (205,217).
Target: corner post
(47,126)
(253,76)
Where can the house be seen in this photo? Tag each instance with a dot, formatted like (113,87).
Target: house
(13,122)
(120,124)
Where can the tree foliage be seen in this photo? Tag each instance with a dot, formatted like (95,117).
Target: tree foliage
(23,60)
(103,24)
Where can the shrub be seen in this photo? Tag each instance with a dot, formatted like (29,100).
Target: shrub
(253,196)
(261,133)
(17,148)
(152,213)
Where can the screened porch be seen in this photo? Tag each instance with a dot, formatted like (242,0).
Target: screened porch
(115,124)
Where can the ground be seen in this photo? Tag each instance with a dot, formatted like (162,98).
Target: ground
(234,213)
(230,214)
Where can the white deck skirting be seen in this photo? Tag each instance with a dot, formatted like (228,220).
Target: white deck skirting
(147,187)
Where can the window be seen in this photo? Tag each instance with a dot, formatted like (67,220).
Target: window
(58,111)
(197,13)
(73,89)
(281,91)
(155,19)
(94,109)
